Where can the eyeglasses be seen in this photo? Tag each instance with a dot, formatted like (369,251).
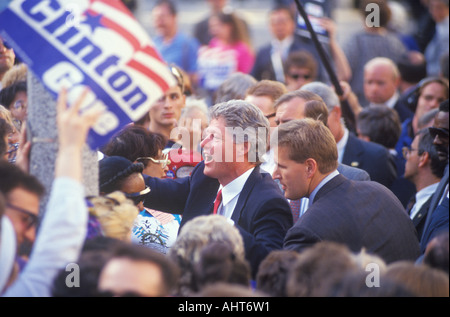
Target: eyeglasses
(407,150)
(442,133)
(30,219)
(138,196)
(297,76)
(164,161)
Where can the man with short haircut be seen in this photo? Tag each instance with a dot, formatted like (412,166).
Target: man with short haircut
(357,214)
(173,45)
(369,156)
(263,94)
(302,104)
(229,182)
(424,169)
(381,84)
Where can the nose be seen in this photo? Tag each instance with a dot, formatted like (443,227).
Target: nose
(205,141)
(30,234)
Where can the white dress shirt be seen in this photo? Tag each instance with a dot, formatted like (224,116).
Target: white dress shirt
(341,145)
(230,194)
(421,197)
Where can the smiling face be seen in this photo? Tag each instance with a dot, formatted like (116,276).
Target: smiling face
(220,152)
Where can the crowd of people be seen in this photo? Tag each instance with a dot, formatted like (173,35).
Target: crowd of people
(247,178)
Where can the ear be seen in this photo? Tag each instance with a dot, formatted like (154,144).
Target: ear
(337,111)
(311,167)
(424,158)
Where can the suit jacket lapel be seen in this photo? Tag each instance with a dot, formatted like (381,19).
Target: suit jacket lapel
(254,177)
(352,152)
(422,212)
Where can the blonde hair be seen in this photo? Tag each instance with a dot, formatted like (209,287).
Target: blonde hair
(308,138)
(115,213)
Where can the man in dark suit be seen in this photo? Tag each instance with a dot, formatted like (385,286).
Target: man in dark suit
(234,142)
(424,169)
(357,214)
(300,104)
(381,83)
(270,58)
(369,156)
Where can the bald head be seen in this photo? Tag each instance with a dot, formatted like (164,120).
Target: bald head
(381,80)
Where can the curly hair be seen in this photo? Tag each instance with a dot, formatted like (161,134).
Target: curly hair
(115,213)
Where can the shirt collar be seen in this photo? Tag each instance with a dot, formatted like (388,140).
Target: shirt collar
(426,191)
(341,145)
(234,188)
(390,103)
(321,184)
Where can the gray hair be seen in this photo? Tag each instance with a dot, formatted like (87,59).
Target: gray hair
(328,95)
(248,124)
(234,87)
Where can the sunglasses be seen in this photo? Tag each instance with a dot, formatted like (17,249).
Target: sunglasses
(297,76)
(442,133)
(138,196)
(164,161)
(29,219)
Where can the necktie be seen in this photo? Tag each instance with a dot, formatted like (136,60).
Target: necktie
(217,201)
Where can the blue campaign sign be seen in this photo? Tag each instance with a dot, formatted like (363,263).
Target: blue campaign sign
(4,4)
(96,44)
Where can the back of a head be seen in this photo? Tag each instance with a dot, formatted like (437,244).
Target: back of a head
(313,273)
(381,124)
(193,237)
(273,272)
(115,213)
(437,252)
(218,263)
(421,280)
(113,170)
(270,88)
(234,87)
(327,94)
(133,142)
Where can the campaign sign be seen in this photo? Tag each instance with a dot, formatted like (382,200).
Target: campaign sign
(89,43)
(316,10)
